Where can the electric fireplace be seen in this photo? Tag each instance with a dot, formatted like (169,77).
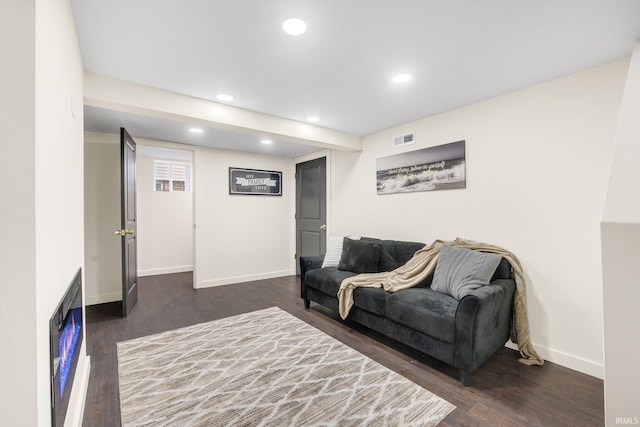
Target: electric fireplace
(65,334)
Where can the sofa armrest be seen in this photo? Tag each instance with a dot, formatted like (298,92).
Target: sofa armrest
(308,263)
(483,322)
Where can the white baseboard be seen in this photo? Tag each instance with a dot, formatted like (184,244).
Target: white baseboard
(75,412)
(570,361)
(165,270)
(240,279)
(103,298)
(117,296)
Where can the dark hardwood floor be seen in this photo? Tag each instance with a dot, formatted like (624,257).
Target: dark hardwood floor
(504,392)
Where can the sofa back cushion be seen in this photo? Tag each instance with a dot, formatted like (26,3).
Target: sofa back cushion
(503,271)
(395,253)
(360,256)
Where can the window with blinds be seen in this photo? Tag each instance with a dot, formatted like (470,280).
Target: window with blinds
(171,176)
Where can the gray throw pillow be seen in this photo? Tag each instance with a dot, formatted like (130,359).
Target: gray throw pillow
(360,256)
(461,271)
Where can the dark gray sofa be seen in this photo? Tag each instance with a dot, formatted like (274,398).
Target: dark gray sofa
(462,333)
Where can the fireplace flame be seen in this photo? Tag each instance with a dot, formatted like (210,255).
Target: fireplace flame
(66,346)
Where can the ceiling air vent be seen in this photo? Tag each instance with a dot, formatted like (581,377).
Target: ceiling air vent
(406,139)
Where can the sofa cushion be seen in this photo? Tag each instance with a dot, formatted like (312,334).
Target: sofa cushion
(460,271)
(327,280)
(430,312)
(360,256)
(395,253)
(370,299)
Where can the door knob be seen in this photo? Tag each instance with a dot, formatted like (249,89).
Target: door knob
(323,227)
(123,232)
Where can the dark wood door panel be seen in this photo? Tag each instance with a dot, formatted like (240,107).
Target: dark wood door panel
(311,208)
(129,229)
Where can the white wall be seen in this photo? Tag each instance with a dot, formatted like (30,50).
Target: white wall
(165,225)
(59,186)
(42,216)
(620,255)
(18,388)
(537,166)
(241,238)
(103,259)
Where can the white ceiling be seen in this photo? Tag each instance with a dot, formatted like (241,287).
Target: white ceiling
(458,51)
(109,121)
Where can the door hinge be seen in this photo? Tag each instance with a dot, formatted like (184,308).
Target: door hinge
(295,256)
(295,216)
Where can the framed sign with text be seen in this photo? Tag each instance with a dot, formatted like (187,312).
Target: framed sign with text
(255,182)
(435,168)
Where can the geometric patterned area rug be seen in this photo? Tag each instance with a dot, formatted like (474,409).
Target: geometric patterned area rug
(264,368)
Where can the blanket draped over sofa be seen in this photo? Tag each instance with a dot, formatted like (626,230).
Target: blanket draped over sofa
(423,263)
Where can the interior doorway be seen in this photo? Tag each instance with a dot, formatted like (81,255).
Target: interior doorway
(311,208)
(165,198)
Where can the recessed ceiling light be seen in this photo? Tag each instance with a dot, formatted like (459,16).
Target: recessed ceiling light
(313,119)
(195,130)
(294,26)
(224,97)
(401,78)
(266,141)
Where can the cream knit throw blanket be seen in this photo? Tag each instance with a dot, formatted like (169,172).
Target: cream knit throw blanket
(423,263)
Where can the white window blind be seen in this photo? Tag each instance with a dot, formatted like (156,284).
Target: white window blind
(170,176)
(179,173)
(163,171)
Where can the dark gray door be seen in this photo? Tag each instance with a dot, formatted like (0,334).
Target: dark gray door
(311,208)
(129,230)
